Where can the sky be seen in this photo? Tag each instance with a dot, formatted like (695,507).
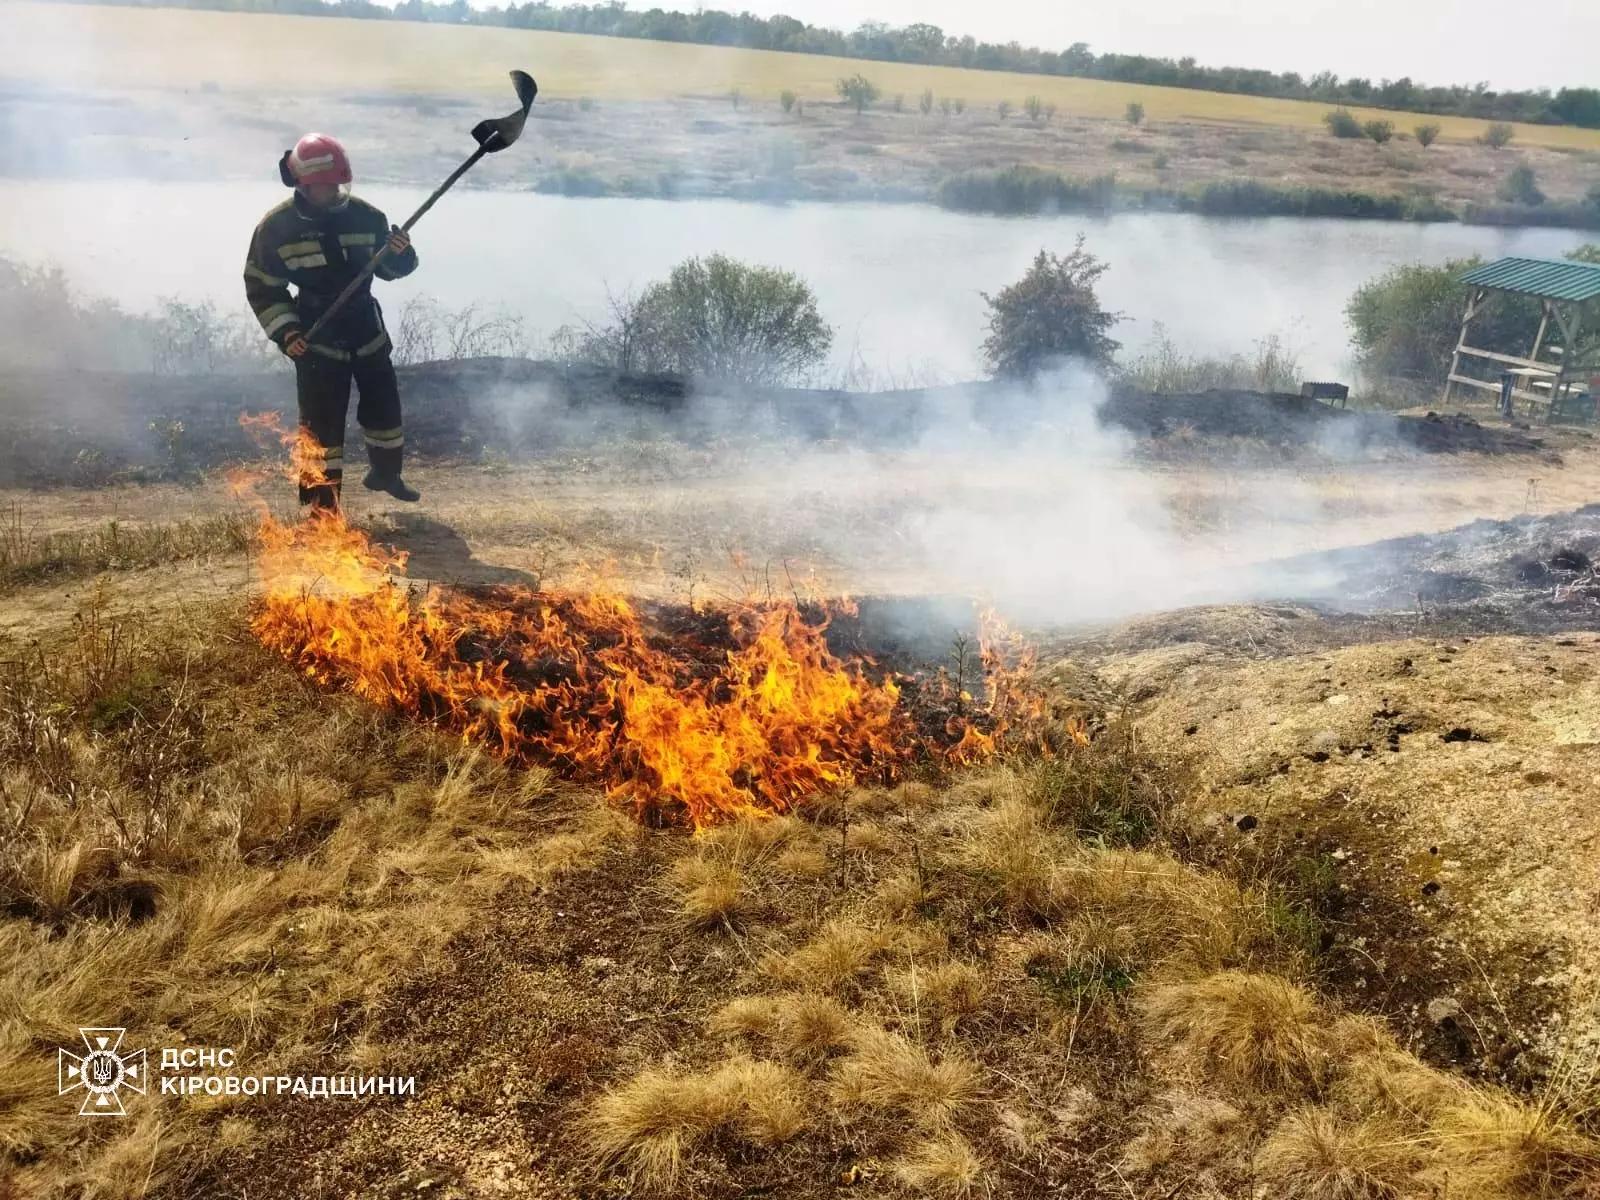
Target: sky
(1433,41)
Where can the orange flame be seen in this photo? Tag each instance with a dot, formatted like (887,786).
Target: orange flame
(694,715)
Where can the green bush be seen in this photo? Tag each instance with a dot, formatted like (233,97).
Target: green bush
(1520,186)
(1003,108)
(1049,316)
(787,98)
(1341,122)
(1497,135)
(1023,189)
(857,90)
(721,319)
(1426,134)
(1134,113)
(925,101)
(1406,321)
(1379,131)
(1034,107)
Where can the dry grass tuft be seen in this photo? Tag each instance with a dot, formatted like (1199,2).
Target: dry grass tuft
(714,897)
(839,956)
(889,1071)
(800,1025)
(1312,1155)
(647,1126)
(1491,1145)
(1257,1031)
(940,1166)
(1011,850)
(801,862)
(1378,1078)
(946,990)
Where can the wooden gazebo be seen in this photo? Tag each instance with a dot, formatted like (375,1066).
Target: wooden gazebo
(1556,372)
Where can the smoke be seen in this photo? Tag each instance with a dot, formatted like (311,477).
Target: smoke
(1015,496)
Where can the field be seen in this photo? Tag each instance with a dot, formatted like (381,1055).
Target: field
(1233,909)
(76,47)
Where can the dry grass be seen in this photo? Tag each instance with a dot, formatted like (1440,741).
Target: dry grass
(443,59)
(940,1166)
(646,1126)
(838,958)
(891,1073)
(1491,1145)
(28,557)
(1254,1031)
(1312,1155)
(801,1026)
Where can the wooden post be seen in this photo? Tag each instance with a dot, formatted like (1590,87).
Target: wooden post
(1473,301)
(1569,347)
(1538,338)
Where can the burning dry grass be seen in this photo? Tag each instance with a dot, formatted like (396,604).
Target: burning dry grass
(694,715)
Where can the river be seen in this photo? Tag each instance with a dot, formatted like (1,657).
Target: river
(901,284)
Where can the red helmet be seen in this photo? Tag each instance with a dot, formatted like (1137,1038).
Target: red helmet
(316,158)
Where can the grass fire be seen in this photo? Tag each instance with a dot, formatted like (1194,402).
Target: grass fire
(679,688)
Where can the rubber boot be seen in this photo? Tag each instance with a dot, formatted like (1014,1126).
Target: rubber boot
(384,475)
(319,499)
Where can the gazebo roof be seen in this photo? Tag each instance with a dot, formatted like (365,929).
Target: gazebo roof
(1546,278)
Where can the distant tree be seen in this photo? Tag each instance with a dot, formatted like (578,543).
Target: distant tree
(787,99)
(1341,122)
(1427,134)
(1521,186)
(1003,108)
(1134,113)
(1034,107)
(857,90)
(945,105)
(719,318)
(1497,135)
(925,101)
(1379,131)
(960,105)
(1049,316)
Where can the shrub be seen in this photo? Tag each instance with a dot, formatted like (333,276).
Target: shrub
(899,104)
(960,105)
(1343,124)
(1034,107)
(1049,315)
(1134,113)
(1426,134)
(1049,112)
(1023,189)
(945,105)
(721,319)
(1003,108)
(857,90)
(1405,322)
(1520,186)
(1379,131)
(1497,135)
(925,101)
(787,98)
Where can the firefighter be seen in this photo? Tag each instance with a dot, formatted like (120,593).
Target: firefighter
(318,240)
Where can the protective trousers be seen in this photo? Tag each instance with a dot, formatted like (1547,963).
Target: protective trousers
(323,384)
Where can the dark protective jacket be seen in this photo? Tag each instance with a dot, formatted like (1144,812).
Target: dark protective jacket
(319,252)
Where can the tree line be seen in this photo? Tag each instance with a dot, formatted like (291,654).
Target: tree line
(930,45)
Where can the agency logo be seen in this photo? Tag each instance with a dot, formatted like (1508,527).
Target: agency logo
(102,1073)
